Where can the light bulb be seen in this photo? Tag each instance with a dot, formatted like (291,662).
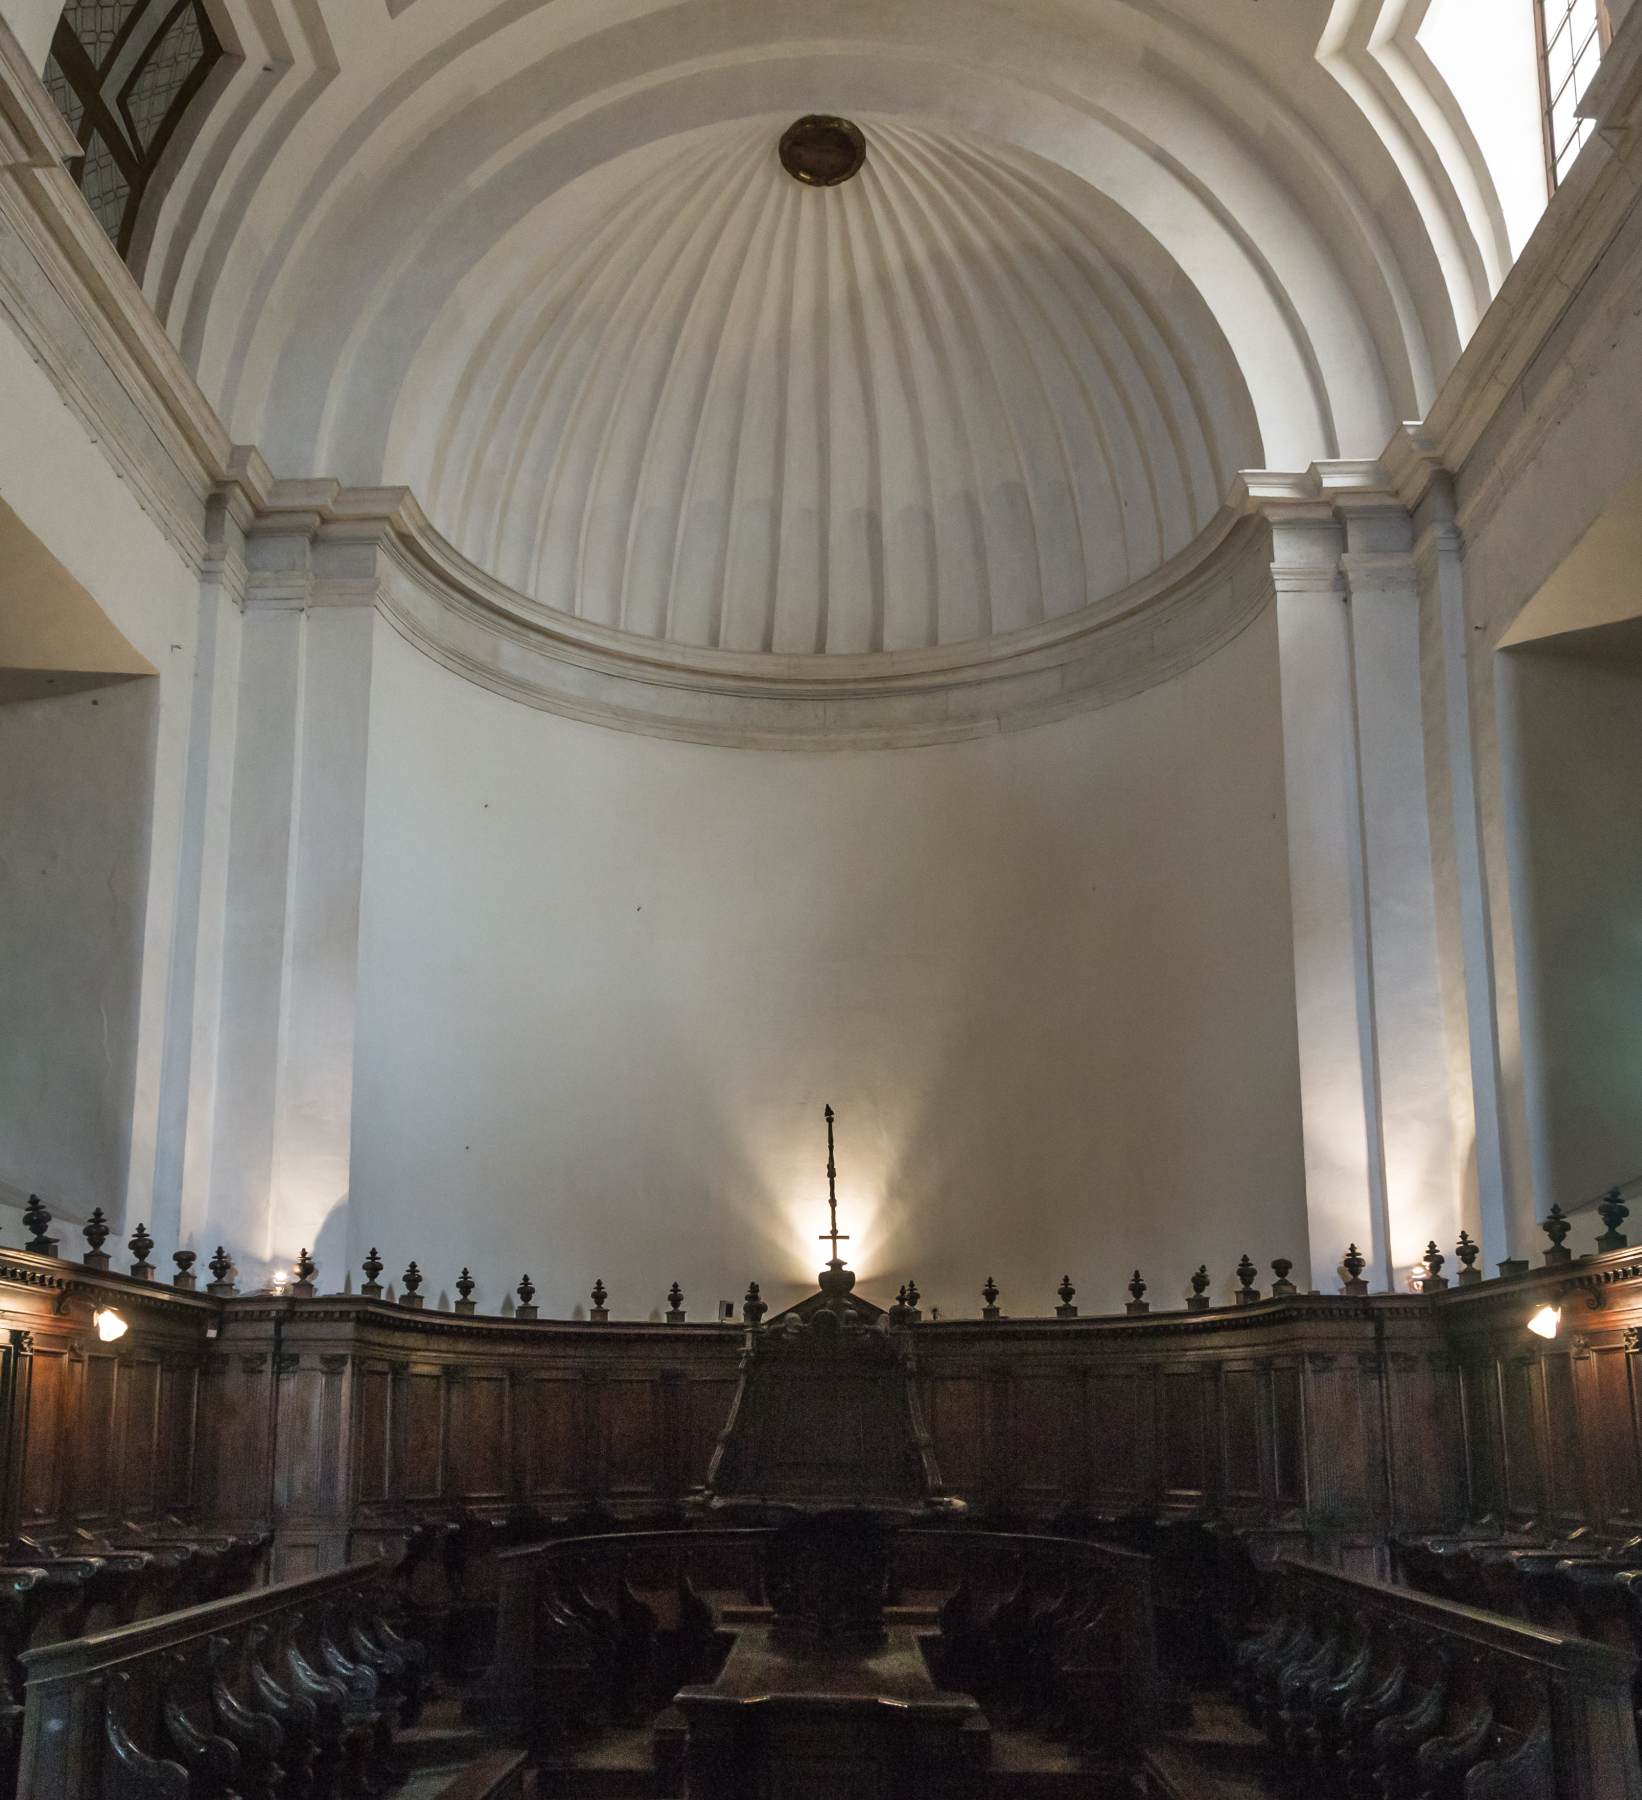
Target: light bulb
(110,1325)
(1546,1322)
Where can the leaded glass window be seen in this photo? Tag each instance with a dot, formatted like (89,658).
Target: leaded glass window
(123,73)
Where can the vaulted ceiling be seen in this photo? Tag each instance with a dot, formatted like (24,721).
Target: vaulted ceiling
(539,262)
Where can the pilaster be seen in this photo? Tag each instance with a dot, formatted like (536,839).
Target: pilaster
(284,1064)
(1384,1150)
(1334,1014)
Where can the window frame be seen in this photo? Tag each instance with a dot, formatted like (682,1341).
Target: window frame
(1542,62)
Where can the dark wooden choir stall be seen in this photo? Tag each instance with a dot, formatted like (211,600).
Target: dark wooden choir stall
(1259,1542)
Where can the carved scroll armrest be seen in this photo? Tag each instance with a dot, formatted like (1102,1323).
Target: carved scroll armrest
(130,1772)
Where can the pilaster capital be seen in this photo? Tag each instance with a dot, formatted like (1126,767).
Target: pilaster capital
(300,555)
(1414,468)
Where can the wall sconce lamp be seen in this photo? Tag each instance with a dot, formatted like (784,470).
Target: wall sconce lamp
(110,1326)
(1547,1321)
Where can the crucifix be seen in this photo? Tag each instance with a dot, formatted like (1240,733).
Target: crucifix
(835,1235)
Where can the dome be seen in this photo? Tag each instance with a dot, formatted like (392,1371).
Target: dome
(953,396)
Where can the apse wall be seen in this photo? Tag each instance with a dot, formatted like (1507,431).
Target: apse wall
(607,983)
(75,775)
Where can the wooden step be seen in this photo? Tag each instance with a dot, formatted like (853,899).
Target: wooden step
(1177,1772)
(500,1775)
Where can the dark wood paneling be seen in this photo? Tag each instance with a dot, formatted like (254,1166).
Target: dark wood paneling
(1565,1467)
(419,1411)
(1038,1429)
(1120,1414)
(373,1419)
(708,1404)
(1288,1436)
(955,1414)
(96,1442)
(1522,1413)
(479,1432)
(136,1474)
(630,1433)
(1245,1434)
(1614,1458)
(1185,1436)
(553,1436)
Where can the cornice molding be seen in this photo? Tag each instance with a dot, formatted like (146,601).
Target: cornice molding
(32,130)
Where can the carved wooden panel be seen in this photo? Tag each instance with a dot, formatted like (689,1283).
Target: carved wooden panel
(174,1451)
(373,1416)
(1424,1399)
(50,1437)
(1288,1436)
(707,1406)
(309,1476)
(548,1419)
(134,1477)
(1345,1473)
(1037,1439)
(955,1414)
(419,1409)
(479,1435)
(95,1497)
(1184,1394)
(1521,1413)
(1613,1460)
(1564,1459)
(631,1435)
(1479,1394)
(1245,1433)
(1120,1432)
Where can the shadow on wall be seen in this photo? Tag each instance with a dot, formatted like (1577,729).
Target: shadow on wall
(78,716)
(1571,687)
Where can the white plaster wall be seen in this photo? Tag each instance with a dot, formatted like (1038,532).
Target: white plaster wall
(74,790)
(1577,883)
(607,984)
(61,485)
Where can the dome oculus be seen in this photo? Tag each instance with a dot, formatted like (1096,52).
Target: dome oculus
(822,151)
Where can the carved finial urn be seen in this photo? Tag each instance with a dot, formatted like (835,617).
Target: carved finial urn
(1353,1262)
(1433,1260)
(410,1281)
(1556,1226)
(373,1266)
(675,1305)
(1066,1310)
(306,1270)
(1468,1250)
(526,1291)
(1198,1299)
(1614,1213)
(1137,1296)
(141,1243)
(465,1304)
(222,1268)
(989,1299)
(600,1315)
(1282,1288)
(1247,1292)
(753,1307)
(96,1234)
(37,1219)
(185,1278)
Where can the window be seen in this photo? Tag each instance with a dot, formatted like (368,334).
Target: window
(122,74)
(1572,36)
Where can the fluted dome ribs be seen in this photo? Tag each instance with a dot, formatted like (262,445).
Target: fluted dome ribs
(922,407)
